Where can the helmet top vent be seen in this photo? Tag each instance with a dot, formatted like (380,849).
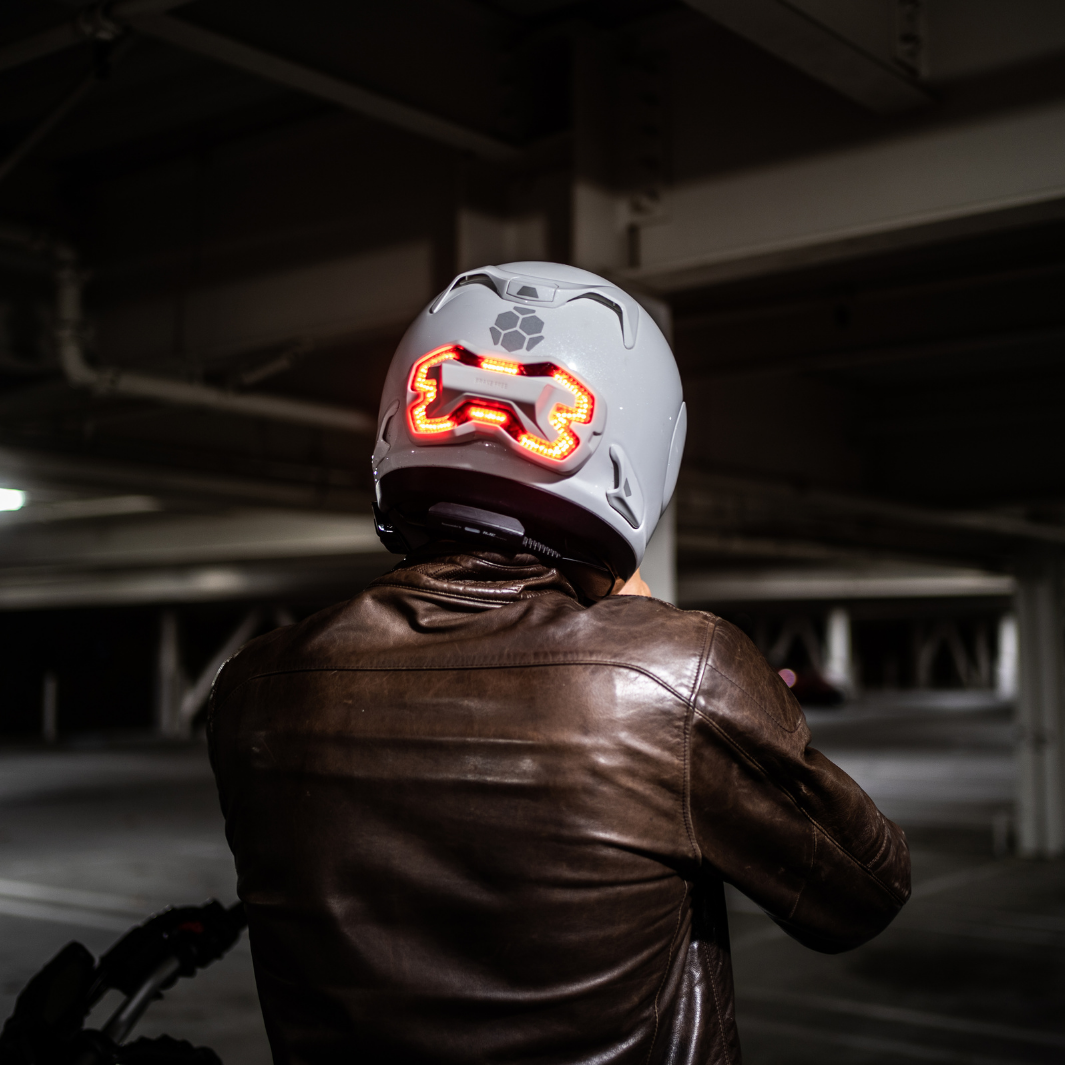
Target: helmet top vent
(545,292)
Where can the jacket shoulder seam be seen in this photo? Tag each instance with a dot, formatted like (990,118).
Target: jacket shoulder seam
(686,783)
(798,806)
(757,702)
(612,663)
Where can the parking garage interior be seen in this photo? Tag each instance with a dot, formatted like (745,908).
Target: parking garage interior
(218,217)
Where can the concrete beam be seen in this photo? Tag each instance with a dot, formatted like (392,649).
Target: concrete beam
(697,491)
(163,539)
(101,22)
(371,105)
(870,582)
(31,470)
(167,558)
(822,51)
(320,580)
(978,176)
(314,303)
(106,22)
(38,513)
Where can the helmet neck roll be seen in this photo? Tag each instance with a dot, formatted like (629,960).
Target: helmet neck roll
(501,515)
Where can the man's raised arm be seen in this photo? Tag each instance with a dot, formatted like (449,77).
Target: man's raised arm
(777,819)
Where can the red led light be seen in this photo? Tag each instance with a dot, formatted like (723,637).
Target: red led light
(501,366)
(487,415)
(421,383)
(561,418)
(494,414)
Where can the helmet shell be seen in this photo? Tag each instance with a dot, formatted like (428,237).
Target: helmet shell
(537,313)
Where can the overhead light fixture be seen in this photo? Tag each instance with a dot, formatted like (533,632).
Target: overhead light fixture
(12,499)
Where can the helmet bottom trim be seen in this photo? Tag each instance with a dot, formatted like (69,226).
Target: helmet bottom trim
(584,540)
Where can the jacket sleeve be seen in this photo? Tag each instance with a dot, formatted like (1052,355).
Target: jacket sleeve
(777,819)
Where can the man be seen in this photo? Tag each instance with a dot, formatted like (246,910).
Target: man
(484,811)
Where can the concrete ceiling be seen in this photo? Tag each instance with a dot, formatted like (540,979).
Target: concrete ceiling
(865,298)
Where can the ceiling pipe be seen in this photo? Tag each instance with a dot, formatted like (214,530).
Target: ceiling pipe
(112,380)
(104,381)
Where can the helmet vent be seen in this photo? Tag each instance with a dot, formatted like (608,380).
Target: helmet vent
(625,497)
(383,443)
(461,282)
(626,318)
(476,279)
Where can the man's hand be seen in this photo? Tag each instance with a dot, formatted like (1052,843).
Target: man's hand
(635,585)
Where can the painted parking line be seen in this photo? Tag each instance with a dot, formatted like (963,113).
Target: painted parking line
(962,878)
(884,1049)
(59,905)
(90,900)
(738,903)
(40,911)
(989,931)
(913,1018)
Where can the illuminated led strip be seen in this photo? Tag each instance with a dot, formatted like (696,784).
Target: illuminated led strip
(501,366)
(561,418)
(421,383)
(488,415)
(497,415)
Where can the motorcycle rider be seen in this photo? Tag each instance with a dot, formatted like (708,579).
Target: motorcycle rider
(484,811)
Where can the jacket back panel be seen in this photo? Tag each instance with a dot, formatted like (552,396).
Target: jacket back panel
(460,827)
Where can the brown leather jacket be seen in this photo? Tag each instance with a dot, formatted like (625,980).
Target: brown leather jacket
(476,821)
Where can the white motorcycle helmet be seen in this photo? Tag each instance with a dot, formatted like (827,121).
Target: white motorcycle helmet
(537,406)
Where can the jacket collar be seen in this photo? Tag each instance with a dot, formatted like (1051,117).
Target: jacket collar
(452,569)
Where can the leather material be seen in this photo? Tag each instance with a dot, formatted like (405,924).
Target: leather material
(477,821)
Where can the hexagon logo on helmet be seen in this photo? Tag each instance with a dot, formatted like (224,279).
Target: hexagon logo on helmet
(544,404)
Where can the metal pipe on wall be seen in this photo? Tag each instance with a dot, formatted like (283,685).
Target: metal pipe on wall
(115,381)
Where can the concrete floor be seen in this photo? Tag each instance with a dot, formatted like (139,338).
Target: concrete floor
(94,840)
(972,971)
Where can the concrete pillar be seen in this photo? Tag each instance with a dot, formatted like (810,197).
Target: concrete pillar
(598,239)
(1041,645)
(170,679)
(483,238)
(659,566)
(839,666)
(50,708)
(1006,659)
(620,151)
